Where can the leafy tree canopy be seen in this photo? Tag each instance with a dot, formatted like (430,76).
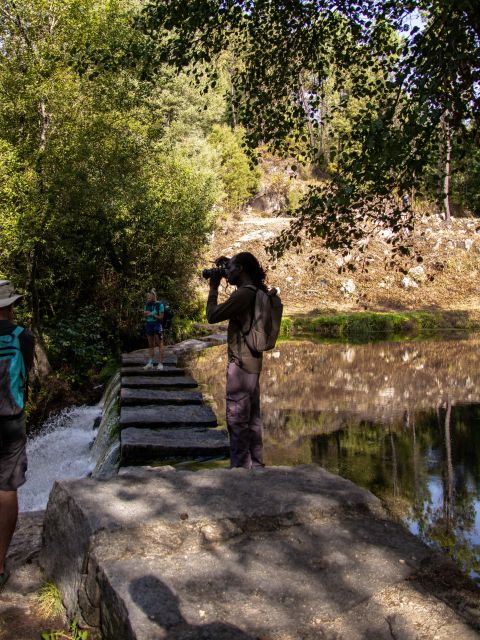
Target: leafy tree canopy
(415,65)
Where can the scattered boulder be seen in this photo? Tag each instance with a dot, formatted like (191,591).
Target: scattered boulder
(418,273)
(342,260)
(269,202)
(408,283)
(348,287)
(385,234)
(466,244)
(261,235)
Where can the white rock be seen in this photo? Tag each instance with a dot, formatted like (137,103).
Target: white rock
(261,234)
(408,283)
(348,287)
(418,273)
(466,245)
(385,234)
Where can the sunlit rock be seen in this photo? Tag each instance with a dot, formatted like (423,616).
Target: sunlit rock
(408,283)
(348,287)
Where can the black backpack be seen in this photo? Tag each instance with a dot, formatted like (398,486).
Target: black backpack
(168,314)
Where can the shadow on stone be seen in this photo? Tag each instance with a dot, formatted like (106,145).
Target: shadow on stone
(161,606)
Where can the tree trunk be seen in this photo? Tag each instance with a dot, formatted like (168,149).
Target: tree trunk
(311,132)
(446,168)
(42,368)
(324,137)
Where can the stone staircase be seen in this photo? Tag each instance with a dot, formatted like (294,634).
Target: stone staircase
(163,416)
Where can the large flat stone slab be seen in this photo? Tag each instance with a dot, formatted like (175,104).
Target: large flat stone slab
(279,553)
(140,371)
(139,397)
(287,586)
(176,506)
(167,416)
(157,382)
(138,445)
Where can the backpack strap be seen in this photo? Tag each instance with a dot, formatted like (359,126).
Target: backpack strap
(253,288)
(17,331)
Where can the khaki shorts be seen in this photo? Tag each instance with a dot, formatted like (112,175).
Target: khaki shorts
(13,454)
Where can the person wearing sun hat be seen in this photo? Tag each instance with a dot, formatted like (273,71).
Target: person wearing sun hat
(17,347)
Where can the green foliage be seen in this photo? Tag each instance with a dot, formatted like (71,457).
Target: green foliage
(75,634)
(240,178)
(369,325)
(77,341)
(392,90)
(108,370)
(107,181)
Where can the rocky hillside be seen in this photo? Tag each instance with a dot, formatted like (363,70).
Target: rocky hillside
(451,255)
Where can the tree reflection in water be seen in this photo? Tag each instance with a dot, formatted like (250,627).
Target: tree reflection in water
(401,419)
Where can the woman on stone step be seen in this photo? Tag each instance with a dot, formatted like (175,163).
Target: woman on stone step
(153,314)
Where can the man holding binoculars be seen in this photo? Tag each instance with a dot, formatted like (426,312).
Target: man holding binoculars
(244,365)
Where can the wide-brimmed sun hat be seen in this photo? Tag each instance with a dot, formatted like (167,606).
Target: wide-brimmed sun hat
(7,294)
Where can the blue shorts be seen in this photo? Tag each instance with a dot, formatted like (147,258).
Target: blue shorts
(13,455)
(154,329)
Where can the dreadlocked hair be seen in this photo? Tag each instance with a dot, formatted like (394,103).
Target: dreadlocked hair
(252,268)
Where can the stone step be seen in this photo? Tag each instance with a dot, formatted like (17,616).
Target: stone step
(136,360)
(147,444)
(158,382)
(137,397)
(140,371)
(167,416)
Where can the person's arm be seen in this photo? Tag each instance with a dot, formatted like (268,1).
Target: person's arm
(229,309)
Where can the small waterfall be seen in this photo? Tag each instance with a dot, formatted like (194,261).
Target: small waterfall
(65,448)
(62,450)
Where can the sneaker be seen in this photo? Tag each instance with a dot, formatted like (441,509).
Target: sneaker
(160,367)
(149,365)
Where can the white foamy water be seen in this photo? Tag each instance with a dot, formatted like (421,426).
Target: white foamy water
(60,451)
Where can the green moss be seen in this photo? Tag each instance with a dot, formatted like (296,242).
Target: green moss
(108,370)
(183,328)
(371,325)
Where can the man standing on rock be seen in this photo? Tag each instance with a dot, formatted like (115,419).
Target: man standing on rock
(16,358)
(244,366)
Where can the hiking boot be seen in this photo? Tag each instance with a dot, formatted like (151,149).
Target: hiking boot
(149,365)
(160,367)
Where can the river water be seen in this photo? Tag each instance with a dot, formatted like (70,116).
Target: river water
(399,418)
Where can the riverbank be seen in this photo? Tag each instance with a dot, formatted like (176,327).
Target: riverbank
(370,325)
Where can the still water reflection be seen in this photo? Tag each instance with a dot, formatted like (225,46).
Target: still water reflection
(401,419)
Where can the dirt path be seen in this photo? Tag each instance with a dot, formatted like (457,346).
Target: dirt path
(20,618)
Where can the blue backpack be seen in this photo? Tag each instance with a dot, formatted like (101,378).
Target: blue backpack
(12,374)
